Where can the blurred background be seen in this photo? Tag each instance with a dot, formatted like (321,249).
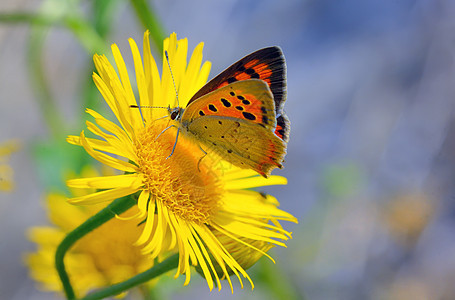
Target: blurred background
(370,163)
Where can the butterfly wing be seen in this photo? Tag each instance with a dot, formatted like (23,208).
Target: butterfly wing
(240,142)
(249,100)
(238,122)
(283,127)
(266,64)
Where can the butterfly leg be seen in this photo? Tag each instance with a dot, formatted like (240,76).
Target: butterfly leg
(166,116)
(176,138)
(199,162)
(165,130)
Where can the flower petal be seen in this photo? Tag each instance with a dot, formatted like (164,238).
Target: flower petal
(133,115)
(152,78)
(104,196)
(116,130)
(140,75)
(251,203)
(106,159)
(103,182)
(256,181)
(94,143)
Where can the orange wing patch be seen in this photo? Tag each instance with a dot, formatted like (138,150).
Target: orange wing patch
(267,64)
(242,106)
(251,70)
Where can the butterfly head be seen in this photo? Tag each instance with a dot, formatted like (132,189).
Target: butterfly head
(175,113)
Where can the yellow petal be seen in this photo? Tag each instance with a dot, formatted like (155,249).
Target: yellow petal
(94,143)
(251,203)
(106,159)
(235,173)
(103,196)
(104,182)
(140,75)
(112,102)
(152,78)
(147,232)
(257,181)
(203,75)
(113,128)
(187,84)
(133,115)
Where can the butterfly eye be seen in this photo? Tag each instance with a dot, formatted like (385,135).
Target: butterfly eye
(174,115)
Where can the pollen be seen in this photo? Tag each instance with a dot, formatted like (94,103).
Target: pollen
(183,182)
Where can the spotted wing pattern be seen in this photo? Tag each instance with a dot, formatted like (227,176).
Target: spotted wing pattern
(239,113)
(249,100)
(242,143)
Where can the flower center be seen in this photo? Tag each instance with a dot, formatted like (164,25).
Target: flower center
(186,182)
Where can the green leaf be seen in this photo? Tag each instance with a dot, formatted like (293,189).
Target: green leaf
(150,21)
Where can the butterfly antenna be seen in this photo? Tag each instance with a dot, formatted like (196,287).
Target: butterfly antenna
(146,106)
(172,76)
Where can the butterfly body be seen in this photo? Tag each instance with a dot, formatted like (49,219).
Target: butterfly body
(239,115)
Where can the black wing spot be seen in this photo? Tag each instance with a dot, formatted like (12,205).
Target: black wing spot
(239,107)
(219,122)
(282,128)
(222,136)
(201,113)
(263,109)
(225,102)
(246,102)
(231,79)
(265,120)
(240,97)
(252,73)
(249,116)
(212,108)
(205,127)
(232,93)
(229,151)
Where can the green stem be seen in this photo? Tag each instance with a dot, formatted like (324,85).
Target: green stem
(115,208)
(31,18)
(277,283)
(44,96)
(167,265)
(150,21)
(85,34)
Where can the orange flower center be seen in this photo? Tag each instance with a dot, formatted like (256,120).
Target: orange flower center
(187,181)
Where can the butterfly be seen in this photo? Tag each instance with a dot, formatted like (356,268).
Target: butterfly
(239,113)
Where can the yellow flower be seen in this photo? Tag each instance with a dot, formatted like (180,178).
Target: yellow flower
(204,205)
(6,172)
(105,256)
